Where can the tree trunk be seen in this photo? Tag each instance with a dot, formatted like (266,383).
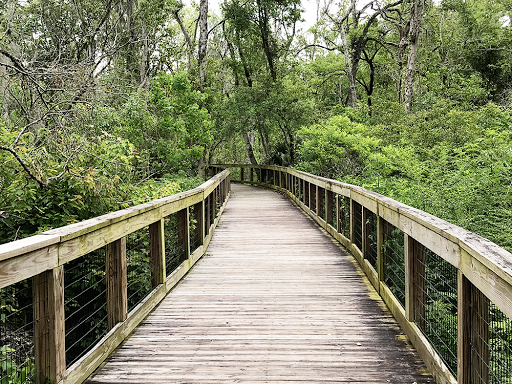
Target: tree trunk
(143,77)
(203,42)
(352,94)
(248,147)
(186,35)
(416,13)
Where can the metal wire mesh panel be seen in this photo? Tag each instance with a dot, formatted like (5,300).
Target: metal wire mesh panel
(491,342)
(370,251)
(16,333)
(394,261)
(344,216)
(173,250)
(358,225)
(298,189)
(139,270)
(195,242)
(500,346)
(435,305)
(85,304)
(320,202)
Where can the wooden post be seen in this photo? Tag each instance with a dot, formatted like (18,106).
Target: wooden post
(352,221)
(207,215)
(473,333)
(365,241)
(312,197)
(157,252)
(305,195)
(463,329)
(241,173)
(414,254)
(184,233)
(329,203)
(338,218)
(380,254)
(251,175)
(49,325)
(116,276)
(409,277)
(199,217)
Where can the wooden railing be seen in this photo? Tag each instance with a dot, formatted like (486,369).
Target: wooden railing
(43,258)
(407,255)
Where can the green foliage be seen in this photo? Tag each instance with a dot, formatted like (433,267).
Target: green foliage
(12,373)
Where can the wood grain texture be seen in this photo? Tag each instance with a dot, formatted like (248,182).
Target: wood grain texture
(275,300)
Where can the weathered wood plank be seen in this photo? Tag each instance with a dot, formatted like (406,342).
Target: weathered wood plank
(274,300)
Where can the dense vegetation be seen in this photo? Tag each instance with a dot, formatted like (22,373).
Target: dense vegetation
(106,104)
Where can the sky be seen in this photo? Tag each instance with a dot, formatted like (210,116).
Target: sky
(309,15)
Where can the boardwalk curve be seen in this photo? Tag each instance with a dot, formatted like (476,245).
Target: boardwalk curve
(275,300)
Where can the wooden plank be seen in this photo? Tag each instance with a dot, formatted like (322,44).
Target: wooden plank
(464,330)
(49,332)
(409,277)
(28,265)
(199,216)
(116,281)
(27,245)
(270,303)
(184,233)
(157,252)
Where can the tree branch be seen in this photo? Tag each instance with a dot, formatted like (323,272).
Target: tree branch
(22,163)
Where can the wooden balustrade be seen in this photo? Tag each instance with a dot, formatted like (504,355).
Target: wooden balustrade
(484,270)
(42,257)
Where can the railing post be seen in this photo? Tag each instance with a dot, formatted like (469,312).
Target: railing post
(317,200)
(352,221)
(199,217)
(414,255)
(365,243)
(241,173)
(116,276)
(380,242)
(157,252)
(49,325)
(251,174)
(312,198)
(329,202)
(338,218)
(473,333)
(409,277)
(184,233)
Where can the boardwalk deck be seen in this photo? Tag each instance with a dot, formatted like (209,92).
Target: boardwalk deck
(274,301)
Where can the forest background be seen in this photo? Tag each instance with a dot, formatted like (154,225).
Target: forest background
(110,103)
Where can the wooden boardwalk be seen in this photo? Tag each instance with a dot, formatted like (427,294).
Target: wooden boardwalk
(274,301)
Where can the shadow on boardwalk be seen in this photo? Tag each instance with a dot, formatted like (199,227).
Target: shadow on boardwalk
(275,300)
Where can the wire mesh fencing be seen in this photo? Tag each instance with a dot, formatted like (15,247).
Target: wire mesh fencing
(358,225)
(500,346)
(16,333)
(370,236)
(85,304)
(436,303)
(344,215)
(394,261)
(138,266)
(173,249)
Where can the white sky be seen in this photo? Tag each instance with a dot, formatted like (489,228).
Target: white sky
(309,14)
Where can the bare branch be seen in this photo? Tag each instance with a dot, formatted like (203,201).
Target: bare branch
(22,163)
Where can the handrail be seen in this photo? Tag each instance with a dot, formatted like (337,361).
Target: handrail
(43,257)
(483,270)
